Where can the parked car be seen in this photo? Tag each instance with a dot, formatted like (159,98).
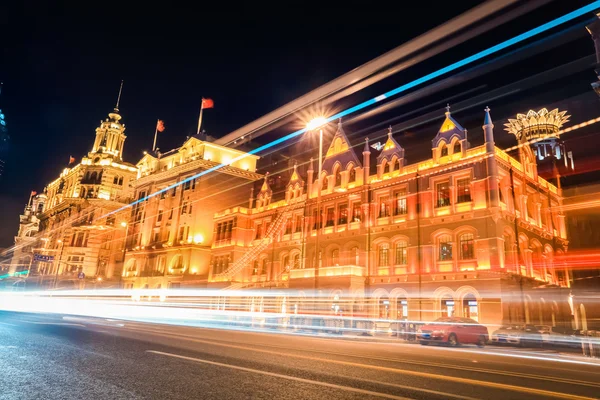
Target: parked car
(518,335)
(559,337)
(453,331)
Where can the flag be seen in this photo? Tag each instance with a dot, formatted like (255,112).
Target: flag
(160,125)
(33,193)
(71,160)
(207,103)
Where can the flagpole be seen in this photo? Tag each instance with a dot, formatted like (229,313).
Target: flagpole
(200,119)
(155,135)
(29,202)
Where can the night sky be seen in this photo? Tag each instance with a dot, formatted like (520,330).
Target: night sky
(62,66)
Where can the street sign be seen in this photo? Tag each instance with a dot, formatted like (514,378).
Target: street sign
(42,258)
(81,275)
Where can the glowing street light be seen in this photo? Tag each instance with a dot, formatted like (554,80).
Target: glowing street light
(316,123)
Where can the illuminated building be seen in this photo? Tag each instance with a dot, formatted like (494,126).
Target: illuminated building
(27,238)
(444,236)
(70,226)
(172,232)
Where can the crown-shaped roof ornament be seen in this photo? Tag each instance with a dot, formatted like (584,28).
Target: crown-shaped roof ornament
(534,125)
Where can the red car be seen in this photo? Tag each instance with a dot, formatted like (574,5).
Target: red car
(453,331)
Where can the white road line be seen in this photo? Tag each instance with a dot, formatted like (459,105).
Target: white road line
(288,377)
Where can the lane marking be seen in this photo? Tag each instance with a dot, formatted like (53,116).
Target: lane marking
(281,376)
(467,381)
(396,360)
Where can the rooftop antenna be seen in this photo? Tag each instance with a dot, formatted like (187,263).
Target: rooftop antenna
(119,97)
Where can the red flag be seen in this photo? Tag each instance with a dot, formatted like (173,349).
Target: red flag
(207,103)
(160,125)
(71,160)
(33,193)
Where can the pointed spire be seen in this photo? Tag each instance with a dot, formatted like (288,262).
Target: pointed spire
(119,97)
(390,132)
(311,166)
(367,149)
(488,117)
(339,123)
(447,109)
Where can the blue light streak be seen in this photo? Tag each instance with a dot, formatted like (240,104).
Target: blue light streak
(452,67)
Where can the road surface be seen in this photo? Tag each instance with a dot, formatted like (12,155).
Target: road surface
(62,357)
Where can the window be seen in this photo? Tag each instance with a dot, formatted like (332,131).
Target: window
(296,264)
(400,202)
(342,214)
(338,177)
(443,194)
(171,214)
(325,182)
(160,216)
(401,253)
(401,308)
(155,237)
(263,270)
(457,148)
(183,233)
(335,257)
(174,191)
(116,180)
(467,246)
(355,255)
(445,248)
(259,231)
(187,185)
(352,175)
(463,192)
(384,255)
(286,263)
(315,219)
(444,151)
(384,207)
(288,226)
(193,183)
(121,181)
(501,194)
(255,267)
(356,211)
(184,207)
(330,217)
(386,167)
(298,223)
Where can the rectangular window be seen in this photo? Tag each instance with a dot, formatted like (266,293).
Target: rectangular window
(445,248)
(184,207)
(400,202)
(187,185)
(401,253)
(174,191)
(298,223)
(181,233)
(193,183)
(155,238)
(160,216)
(342,214)
(288,226)
(467,246)
(259,231)
(384,255)
(384,206)
(443,194)
(330,217)
(463,190)
(163,195)
(315,220)
(356,217)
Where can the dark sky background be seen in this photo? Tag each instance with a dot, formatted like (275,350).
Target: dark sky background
(62,64)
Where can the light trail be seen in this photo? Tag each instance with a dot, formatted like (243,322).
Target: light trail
(452,67)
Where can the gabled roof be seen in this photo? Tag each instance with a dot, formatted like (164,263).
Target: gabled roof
(448,130)
(390,148)
(265,188)
(340,151)
(295,178)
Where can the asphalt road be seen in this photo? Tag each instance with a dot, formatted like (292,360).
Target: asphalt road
(56,357)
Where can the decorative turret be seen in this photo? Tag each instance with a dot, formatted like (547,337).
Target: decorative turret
(264,195)
(391,157)
(450,139)
(295,186)
(492,166)
(339,152)
(110,136)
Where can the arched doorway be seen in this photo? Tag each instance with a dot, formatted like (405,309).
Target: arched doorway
(384,307)
(447,306)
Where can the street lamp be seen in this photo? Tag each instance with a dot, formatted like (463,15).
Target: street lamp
(313,125)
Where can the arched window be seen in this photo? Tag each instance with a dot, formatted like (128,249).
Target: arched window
(160,265)
(99,179)
(255,267)
(296,264)
(467,246)
(286,263)
(445,248)
(444,151)
(384,308)
(470,307)
(355,255)
(121,181)
(352,175)
(401,253)
(83,192)
(325,182)
(338,177)
(457,148)
(335,257)
(383,255)
(116,180)
(447,306)
(263,270)
(386,167)
(93,176)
